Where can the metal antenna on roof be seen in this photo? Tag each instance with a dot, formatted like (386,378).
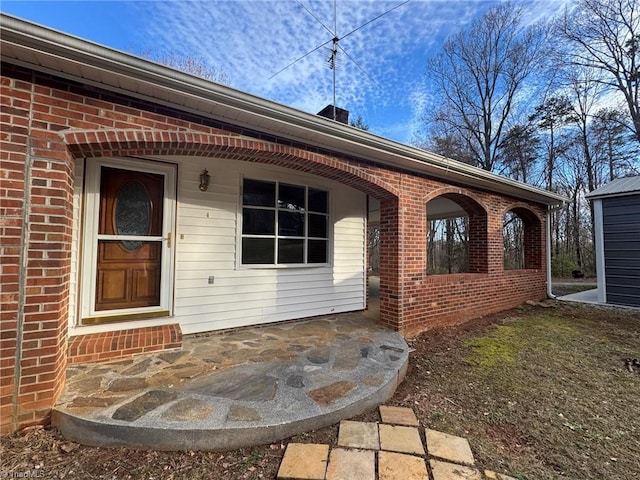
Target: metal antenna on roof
(335,45)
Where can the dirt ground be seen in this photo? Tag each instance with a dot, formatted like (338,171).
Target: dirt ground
(541,393)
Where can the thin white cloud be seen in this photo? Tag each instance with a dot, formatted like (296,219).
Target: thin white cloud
(251,40)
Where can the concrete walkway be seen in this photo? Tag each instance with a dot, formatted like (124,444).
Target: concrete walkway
(591,297)
(235,389)
(586,296)
(396,448)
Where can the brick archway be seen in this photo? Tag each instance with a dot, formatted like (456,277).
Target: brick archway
(133,142)
(534,242)
(478,225)
(467,200)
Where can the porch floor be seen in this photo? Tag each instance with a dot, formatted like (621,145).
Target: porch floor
(234,389)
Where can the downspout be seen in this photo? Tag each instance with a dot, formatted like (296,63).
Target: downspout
(550,210)
(22,276)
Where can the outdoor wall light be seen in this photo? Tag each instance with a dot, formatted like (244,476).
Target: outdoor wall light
(204,180)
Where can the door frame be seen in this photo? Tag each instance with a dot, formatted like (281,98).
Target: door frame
(89,237)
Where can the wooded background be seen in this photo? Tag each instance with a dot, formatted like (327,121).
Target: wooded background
(552,104)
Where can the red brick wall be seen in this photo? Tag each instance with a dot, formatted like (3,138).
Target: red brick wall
(69,120)
(35,218)
(123,343)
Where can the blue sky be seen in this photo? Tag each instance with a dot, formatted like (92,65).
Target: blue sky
(382,79)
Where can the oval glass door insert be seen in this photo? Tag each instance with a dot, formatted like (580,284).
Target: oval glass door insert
(132,213)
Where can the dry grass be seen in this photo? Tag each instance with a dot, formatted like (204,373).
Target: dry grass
(540,393)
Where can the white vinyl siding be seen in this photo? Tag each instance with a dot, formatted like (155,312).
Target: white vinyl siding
(208,245)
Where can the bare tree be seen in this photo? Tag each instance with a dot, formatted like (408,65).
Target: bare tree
(550,116)
(616,155)
(185,63)
(359,123)
(452,146)
(519,151)
(585,92)
(478,75)
(604,36)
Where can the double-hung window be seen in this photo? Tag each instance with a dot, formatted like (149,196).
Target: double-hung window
(284,224)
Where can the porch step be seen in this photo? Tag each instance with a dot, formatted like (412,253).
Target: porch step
(236,389)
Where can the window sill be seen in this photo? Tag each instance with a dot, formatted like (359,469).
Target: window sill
(283,267)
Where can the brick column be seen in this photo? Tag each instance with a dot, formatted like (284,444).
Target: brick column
(390,291)
(402,258)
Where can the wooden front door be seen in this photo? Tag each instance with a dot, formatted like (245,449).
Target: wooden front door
(129,254)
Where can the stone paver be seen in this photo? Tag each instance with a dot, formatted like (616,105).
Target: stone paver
(398,416)
(351,465)
(126,384)
(451,471)
(143,404)
(304,461)
(242,413)
(329,394)
(400,439)
(238,383)
(397,466)
(449,447)
(399,449)
(188,409)
(358,435)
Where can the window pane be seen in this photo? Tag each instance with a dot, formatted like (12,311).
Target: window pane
(290,224)
(261,194)
(291,197)
(290,251)
(258,251)
(318,201)
(258,222)
(317,251)
(317,226)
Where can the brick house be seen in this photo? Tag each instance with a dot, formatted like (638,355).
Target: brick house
(139,204)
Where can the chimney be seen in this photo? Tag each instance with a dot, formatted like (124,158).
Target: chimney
(341,115)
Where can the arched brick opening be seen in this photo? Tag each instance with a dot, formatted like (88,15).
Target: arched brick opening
(478,234)
(140,143)
(533,239)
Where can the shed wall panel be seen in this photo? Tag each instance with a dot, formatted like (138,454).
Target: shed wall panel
(621,226)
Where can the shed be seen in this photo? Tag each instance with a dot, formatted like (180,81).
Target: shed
(616,208)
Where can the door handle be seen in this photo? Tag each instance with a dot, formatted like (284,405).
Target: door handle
(168,239)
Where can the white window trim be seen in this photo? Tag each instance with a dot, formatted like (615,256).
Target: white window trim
(276,266)
(89,235)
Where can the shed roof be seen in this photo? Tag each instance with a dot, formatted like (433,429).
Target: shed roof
(50,51)
(617,187)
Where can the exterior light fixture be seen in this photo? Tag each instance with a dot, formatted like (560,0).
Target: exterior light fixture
(204,180)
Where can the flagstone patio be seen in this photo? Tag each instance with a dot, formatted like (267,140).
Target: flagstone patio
(235,389)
